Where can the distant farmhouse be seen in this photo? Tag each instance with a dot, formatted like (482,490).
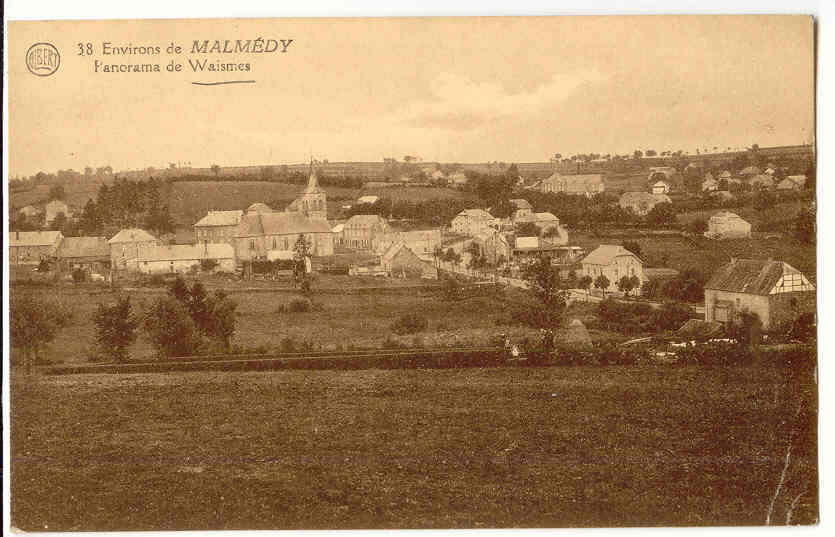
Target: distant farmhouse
(614,262)
(777,292)
(127,246)
(185,257)
(792,182)
(31,247)
(360,230)
(91,254)
(472,222)
(727,225)
(53,209)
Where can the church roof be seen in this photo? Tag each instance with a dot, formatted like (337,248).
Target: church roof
(313,182)
(253,225)
(259,208)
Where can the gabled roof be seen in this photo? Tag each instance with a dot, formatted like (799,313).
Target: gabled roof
(187,252)
(220,218)
(338,228)
(750,276)
(527,242)
(698,328)
(83,247)
(368,199)
(632,198)
(605,254)
(257,224)
(132,235)
(726,215)
(725,175)
(259,208)
(395,249)
(545,217)
(750,170)
(366,220)
(56,204)
(521,204)
(34,238)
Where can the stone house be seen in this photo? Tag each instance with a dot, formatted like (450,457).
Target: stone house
(182,258)
(472,222)
(53,209)
(30,247)
(358,232)
(398,261)
(614,262)
(217,226)
(660,187)
(127,246)
(91,254)
(777,292)
(422,242)
(727,225)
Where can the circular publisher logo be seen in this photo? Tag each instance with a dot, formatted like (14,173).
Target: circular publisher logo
(43,59)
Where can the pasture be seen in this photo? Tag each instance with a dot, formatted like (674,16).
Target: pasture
(477,448)
(344,321)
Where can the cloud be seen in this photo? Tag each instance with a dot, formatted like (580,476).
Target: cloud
(459,103)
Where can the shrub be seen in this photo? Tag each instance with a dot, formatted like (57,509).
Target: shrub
(409,324)
(170,329)
(208,265)
(115,329)
(298,305)
(78,275)
(157,280)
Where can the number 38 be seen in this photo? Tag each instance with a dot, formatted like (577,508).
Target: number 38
(85,49)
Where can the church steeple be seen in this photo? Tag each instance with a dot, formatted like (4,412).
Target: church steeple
(313,181)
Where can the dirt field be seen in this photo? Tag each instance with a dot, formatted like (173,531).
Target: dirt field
(560,446)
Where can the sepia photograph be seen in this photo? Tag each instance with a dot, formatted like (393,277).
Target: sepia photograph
(411,273)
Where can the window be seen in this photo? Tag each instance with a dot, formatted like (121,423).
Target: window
(274,243)
(285,243)
(252,244)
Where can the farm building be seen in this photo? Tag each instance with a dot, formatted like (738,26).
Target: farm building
(792,182)
(641,202)
(359,231)
(532,247)
(53,209)
(727,225)
(457,178)
(614,262)
(398,261)
(522,208)
(30,247)
(186,257)
(369,200)
(586,184)
(726,175)
(777,292)
(259,233)
(218,226)
(422,242)
(472,222)
(126,247)
(91,254)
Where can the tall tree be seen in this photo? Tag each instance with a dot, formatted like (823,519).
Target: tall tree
(33,324)
(544,283)
(115,328)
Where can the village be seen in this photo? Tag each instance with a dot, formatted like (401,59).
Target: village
(477,246)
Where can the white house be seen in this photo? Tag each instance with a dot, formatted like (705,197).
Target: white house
(127,246)
(472,222)
(183,257)
(614,262)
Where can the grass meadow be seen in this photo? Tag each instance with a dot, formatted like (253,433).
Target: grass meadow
(477,448)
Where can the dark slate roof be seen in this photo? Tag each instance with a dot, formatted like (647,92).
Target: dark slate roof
(751,276)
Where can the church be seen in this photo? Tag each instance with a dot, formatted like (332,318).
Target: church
(259,233)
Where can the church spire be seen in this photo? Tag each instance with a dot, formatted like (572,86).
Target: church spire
(313,181)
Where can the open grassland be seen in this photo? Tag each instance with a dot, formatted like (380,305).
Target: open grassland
(346,320)
(416,194)
(501,447)
(778,212)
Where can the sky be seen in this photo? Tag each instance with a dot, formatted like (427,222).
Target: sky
(443,89)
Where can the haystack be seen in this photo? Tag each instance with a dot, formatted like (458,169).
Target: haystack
(575,336)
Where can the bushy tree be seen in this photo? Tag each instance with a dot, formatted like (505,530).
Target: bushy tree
(697,226)
(33,324)
(170,329)
(602,283)
(115,328)
(585,283)
(626,285)
(56,192)
(527,229)
(662,214)
(544,283)
(804,227)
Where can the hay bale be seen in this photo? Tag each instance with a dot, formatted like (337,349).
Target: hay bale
(575,336)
